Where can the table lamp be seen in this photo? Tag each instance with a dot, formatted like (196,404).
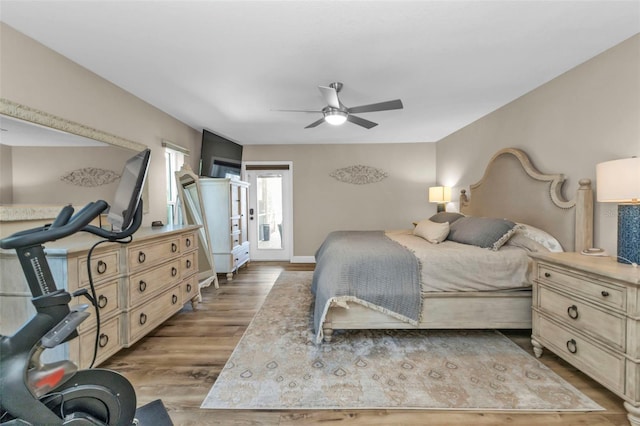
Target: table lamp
(618,181)
(440,195)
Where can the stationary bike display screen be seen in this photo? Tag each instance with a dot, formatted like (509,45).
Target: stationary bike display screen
(129,191)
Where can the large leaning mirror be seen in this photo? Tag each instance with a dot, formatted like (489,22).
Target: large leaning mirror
(47,162)
(190,198)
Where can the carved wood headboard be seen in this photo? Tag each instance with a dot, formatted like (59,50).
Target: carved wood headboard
(512,188)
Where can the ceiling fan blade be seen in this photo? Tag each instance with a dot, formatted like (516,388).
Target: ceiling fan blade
(381,106)
(361,121)
(315,123)
(330,95)
(297,110)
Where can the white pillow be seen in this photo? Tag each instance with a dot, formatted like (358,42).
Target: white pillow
(431,231)
(540,237)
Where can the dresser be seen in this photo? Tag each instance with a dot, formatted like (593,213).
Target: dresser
(138,286)
(586,309)
(225,206)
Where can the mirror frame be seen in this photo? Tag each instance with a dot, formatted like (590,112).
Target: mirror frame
(187,175)
(23,112)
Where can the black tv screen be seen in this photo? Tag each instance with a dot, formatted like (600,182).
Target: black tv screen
(219,156)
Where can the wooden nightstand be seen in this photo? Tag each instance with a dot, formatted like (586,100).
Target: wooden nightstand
(586,309)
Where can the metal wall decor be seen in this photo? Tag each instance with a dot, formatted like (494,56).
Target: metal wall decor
(358,174)
(89,177)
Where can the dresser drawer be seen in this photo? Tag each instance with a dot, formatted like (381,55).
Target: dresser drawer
(189,288)
(108,302)
(607,294)
(189,242)
(103,267)
(605,326)
(142,256)
(606,366)
(144,318)
(241,255)
(109,342)
(189,264)
(145,284)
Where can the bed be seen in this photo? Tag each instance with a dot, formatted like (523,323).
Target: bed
(511,191)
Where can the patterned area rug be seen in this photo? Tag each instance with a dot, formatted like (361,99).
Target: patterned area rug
(276,366)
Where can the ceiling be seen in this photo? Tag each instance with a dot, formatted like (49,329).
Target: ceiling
(227,66)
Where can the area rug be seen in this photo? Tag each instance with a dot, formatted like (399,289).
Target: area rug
(276,365)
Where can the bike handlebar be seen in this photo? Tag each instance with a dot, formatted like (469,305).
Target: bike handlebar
(67,223)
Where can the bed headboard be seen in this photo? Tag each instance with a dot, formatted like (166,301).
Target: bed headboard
(512,188)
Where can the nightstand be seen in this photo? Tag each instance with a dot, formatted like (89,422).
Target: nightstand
(586,309)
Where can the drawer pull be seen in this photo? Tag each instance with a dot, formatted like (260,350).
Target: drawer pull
(142,285)
(141,257)
(572,311)
(604,293)
(188,288)
(103,340)
(572,346)
(174,299)
(143,318)
(174,271)
(547,274)
(101,267)
(188,242)
(102,301)
(188,263)
(174,247)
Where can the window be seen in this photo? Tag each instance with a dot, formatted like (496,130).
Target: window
(174,159)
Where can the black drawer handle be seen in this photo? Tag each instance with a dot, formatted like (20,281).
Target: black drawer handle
(604,293)
(143,318)
(188,288)
(572,311)
(142,286)
(188,263)
(174,271)
(102,301)
(103,340)
(547,274)
(572,346)
(174,247)
(101,267)
(188,242)
(141,257)
(174,299)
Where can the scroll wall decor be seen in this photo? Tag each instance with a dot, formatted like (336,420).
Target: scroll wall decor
(358,174)
(89,177)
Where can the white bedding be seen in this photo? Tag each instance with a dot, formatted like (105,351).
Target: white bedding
(455,267)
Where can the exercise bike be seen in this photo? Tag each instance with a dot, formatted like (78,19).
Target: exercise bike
(36,393)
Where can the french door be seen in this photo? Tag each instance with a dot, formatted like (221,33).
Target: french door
(270,209)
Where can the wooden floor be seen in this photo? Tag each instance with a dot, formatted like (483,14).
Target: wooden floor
(179,362)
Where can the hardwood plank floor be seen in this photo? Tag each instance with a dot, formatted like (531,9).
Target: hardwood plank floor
(181,359)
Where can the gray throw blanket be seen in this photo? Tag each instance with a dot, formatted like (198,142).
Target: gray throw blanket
(369,268)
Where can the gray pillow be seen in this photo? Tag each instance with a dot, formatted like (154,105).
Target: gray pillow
(483,232)
(443,217)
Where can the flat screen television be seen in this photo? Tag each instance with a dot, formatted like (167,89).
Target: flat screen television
(220,157)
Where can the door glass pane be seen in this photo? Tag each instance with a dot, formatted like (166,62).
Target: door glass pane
(269,192)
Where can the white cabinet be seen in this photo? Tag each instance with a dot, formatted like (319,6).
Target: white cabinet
(225,206)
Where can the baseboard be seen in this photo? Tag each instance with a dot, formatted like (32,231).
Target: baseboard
(303,259)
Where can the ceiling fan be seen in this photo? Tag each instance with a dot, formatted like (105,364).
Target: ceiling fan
(336,113)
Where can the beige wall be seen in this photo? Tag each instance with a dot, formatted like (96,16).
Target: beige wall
(6,176)
(322,204)
(33,75)
(588,115)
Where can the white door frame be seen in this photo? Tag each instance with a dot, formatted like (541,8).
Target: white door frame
(287,201)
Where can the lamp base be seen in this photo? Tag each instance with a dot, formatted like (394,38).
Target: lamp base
(442,207)
(629,233)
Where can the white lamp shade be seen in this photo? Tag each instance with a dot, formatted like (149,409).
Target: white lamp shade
(439,194)
(335,117)
(618,181)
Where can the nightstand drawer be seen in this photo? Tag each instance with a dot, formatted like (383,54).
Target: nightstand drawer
(609,294)
(606,366)
(583,316)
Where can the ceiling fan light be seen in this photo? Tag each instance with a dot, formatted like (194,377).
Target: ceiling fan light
(335,117)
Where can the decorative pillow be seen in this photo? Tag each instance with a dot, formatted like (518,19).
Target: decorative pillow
(443,217)
(483,232)
(519,240)
(540,237)
(431,231)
